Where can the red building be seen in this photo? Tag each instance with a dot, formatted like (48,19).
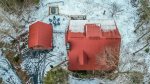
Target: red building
(92,47)
(40,36)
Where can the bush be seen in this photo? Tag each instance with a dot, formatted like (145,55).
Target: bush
(1,80)
(136,77)
(144,10)
(16,5)
(147,50)
(98,74)
(16,58)
(58,76)
(36,1)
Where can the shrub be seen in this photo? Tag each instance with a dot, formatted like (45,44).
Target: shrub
(92,74)
(16,58)
(147,50)
(1,80)
(57,76)
(16,6)
(136,77)
(36,1)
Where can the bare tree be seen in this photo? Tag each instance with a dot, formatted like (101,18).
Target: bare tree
(115,9)
(144,17)
(134,3)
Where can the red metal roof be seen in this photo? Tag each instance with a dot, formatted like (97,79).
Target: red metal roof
(40,36)
(93,49)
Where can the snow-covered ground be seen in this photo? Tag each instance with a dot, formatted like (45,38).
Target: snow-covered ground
(7,73)
(94,9)
(125,19)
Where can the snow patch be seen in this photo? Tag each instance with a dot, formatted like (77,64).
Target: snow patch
(105,24)
(7,73)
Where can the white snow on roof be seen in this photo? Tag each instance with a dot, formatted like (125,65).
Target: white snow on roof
(77,25)
(105,24)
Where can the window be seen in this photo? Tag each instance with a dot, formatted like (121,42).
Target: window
(68,46)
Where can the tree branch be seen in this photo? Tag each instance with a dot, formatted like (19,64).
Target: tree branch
(143,35)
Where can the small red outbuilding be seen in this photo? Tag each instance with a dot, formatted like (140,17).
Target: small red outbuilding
(92,48)
(40,36)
